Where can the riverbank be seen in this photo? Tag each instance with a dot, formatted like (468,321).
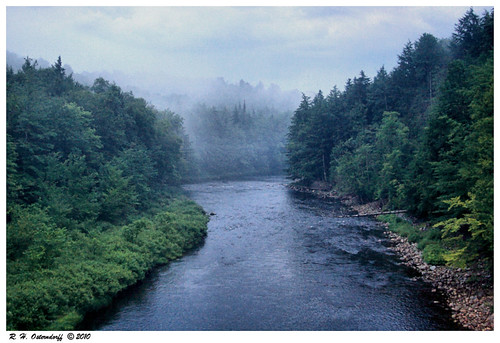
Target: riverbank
(89,270)
(469,292)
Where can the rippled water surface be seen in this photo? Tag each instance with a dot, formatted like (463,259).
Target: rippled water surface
(278,260)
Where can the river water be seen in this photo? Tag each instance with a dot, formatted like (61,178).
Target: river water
(275,259)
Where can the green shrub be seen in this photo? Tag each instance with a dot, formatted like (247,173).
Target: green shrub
(90,269)
(399,226)
(66,322)
(434,254)
(428,241)
(429,236)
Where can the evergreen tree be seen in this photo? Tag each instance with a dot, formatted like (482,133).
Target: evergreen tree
(419,137)
(58,78)
(466,40)
(378,95)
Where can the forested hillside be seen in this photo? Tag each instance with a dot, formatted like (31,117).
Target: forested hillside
(93,172)
(238,142)
(91,198)
(235,129)
(419,137)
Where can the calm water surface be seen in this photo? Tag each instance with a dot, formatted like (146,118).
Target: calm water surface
(275,259)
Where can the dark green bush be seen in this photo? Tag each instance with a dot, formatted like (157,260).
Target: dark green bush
(428,241)
(433,253)
(89,270)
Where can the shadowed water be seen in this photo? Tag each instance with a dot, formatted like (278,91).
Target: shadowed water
(278,260)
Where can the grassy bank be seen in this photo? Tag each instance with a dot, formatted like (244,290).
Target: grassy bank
(428,240)
(92,195)
(53,285)
(468,289)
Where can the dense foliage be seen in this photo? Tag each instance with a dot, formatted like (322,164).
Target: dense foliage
(419,137)
(90,200)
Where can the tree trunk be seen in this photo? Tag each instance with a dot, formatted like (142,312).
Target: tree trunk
(373,214)
(324,168)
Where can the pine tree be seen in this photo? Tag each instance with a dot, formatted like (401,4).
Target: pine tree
(466,40)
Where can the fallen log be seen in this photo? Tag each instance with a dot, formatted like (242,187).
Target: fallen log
(372,214)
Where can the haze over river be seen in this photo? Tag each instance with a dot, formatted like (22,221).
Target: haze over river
(275,259)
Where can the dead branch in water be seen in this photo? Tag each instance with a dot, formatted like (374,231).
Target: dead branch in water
(372,214)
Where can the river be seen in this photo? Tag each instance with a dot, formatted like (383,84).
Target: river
(275,259)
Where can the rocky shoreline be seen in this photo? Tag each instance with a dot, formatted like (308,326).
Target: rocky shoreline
(468,292)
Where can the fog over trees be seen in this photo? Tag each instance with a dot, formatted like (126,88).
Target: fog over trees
(94,162)
(234,129)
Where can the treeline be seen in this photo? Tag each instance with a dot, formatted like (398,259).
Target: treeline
(237,142)
(220,93)
(91,203)
(419,137)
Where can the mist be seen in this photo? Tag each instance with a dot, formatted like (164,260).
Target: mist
(304,48)
(232,129)
(271,145)
(244,68)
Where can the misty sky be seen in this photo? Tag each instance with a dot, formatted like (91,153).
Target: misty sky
(304,48)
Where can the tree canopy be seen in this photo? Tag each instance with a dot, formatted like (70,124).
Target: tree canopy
(90,200)
(418,137)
